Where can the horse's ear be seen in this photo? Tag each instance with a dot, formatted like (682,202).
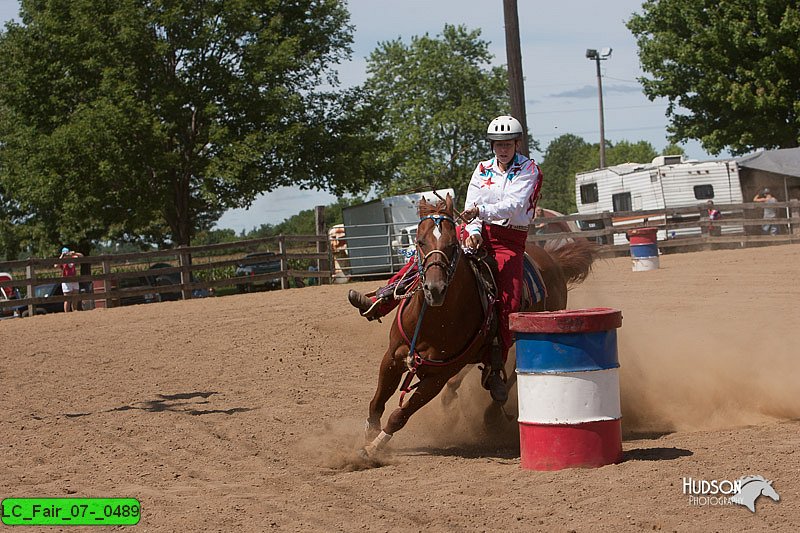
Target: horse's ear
(448,203)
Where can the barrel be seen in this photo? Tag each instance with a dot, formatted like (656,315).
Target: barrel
(644,249)
(568,388)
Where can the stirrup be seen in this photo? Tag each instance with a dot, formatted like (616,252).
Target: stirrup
(489,380)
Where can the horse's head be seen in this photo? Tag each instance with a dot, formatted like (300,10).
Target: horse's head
(438,248)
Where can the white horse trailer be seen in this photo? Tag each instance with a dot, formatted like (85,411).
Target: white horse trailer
(668,181)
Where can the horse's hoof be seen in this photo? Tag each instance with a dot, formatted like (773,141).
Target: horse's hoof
(363,454)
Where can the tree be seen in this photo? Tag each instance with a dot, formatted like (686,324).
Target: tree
(673,149)
(734,66)
(565,156)
(628,152)
(434,98)
(147,119)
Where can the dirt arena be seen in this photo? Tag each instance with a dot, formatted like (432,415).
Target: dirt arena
(243,413)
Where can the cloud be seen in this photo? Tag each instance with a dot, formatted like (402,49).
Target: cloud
(590,91)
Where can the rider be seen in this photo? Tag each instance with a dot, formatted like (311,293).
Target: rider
(501,202)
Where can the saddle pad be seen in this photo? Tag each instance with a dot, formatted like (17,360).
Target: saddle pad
(533,289)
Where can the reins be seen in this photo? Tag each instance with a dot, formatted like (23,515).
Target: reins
(415,359)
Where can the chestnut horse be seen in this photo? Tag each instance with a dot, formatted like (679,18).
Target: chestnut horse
(452,331)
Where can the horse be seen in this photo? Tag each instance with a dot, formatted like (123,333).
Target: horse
(447,315)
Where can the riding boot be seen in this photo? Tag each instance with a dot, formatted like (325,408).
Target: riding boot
(494,377)
(369,307)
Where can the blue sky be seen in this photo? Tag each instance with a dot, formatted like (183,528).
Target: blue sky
(560,83)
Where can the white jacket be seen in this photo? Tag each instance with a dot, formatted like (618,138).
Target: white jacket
(505,198)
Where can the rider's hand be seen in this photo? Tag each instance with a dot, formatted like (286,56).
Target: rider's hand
(469,214)
(474,241)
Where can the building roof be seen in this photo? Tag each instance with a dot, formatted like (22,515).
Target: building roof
(785,161)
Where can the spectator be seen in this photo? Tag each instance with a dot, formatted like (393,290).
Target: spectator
(713,214)
(71,289)
(770,213)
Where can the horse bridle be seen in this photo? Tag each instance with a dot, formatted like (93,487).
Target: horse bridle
(422,261)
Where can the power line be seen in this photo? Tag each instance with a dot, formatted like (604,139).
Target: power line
(588,109)
(545,135)
(622,79)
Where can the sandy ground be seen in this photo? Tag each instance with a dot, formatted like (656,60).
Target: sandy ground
(243,413)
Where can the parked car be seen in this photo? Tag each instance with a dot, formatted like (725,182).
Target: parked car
(257,263)
(47,290)
(7,294)
(137,283)
(158,279)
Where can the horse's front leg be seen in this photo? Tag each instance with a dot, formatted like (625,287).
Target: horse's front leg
(429,386)
(389,375)
(453,384)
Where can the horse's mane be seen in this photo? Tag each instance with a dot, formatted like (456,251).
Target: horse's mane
(426,208)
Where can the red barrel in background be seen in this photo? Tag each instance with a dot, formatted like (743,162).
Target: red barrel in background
(644,249)
(568,388)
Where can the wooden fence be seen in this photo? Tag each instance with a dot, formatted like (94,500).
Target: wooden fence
(740,224)
(216,260)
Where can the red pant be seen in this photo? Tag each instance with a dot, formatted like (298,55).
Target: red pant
(507,246)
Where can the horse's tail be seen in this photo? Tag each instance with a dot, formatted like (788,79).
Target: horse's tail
(575,258)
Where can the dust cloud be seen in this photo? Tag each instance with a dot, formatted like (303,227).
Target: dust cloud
(705,379)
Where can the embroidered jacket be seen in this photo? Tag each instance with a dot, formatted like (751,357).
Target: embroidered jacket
(505,198)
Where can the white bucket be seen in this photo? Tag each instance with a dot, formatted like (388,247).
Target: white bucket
(641,264)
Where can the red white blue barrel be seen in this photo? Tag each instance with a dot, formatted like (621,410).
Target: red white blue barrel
(644,249)
(568,388)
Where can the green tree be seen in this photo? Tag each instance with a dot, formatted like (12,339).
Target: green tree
(733,66)
(565,156)
(673,149)
(146,120)
(628,152)
(434,97)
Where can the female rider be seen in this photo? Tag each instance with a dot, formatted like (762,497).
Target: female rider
(501,202)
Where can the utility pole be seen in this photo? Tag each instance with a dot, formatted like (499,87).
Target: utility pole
(515,80)
(604,54)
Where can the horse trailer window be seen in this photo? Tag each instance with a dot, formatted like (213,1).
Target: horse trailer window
(704,192)
(622,201)
(589,193)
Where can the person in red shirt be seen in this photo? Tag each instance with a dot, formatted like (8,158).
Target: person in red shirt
(70,288)
(713,214)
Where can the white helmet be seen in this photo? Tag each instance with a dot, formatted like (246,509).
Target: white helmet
(504,127)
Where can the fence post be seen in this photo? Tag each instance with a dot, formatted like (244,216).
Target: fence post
(107,285)
(322,246)
(30,274)
(794,214)
(608,224)
(284,263)
(185,260)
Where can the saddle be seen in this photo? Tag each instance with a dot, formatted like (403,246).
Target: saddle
(486,272)
(534,289)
